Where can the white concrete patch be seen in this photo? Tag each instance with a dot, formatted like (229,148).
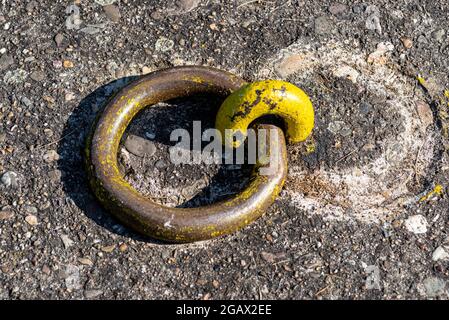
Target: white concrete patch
(377,191)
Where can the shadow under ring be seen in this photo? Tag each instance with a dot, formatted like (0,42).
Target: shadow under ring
(146,216)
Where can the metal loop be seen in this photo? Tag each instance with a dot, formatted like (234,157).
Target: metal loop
(146,216)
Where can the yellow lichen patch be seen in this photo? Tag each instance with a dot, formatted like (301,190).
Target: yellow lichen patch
(437,191)
(267,97)
(194,79)
(310,146)
(422,81)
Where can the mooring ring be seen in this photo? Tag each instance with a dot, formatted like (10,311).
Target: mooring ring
(147,216)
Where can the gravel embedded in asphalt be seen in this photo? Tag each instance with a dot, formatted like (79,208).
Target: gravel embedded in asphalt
(60,62)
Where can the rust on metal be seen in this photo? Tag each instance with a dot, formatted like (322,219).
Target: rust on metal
(153,219)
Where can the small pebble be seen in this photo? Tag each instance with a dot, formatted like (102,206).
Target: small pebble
(291,64)
(324,25)
(372,281)
(54,175)
(163,44)
(416,224)
(46,269)
(268,257)
(31,6)
(439,35)
(160,164)
(108,249)
(37,76)
(105,2)
(440,253)
(188,5)
(67,241)
(85,261)
(425,113)
(31,209)
(112,12)
(213,26)
(338,9)
(146,70)
(48,132)
(6,215)
(59,38)
(9,179)
(434,286)
(27,102)
(68,64)
(51,156)
(69,96)
(90,294)
(31,219)
(139,146)
(5,61)
(407,42)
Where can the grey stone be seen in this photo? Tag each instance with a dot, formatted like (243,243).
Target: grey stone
(31,6)
(440,253)
(55,175)
(67,241)
(71,276)
(37,76)
(372,281)
(9,179)
(90,294)
(112,12)
(365,108)
(90,30)
(105,2)
(27,102)
(6,214)
(439,35)
(51,156)
(358,8)
(188,5)
(323,25)
(163,44)
(416,224)
(161,164)
(31,209)
(15,77)
(373,20)
(434,286)
(5,61)
(59,38)
(338,9)
(139,146)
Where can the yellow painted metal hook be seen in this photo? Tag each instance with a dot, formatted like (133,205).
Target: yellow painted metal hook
(267,97)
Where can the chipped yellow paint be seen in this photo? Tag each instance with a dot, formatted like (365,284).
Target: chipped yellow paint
(267,97)
(437,191)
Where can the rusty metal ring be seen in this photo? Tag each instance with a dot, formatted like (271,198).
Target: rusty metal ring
(146,216)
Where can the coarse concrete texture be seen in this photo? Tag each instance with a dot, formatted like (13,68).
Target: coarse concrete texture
(364,212)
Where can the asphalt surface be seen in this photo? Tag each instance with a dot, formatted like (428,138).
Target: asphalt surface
(363,215)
